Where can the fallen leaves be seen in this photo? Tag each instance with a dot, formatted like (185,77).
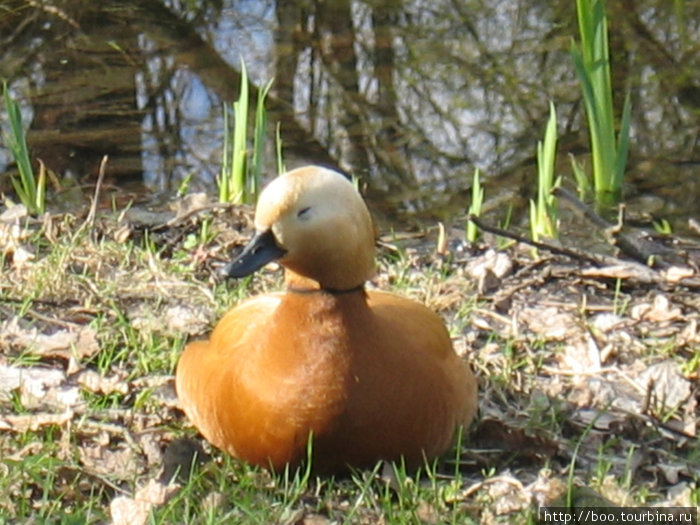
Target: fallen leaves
(136,509)
(25,422)
(180,319)
(499,438)
(659,310)
(47,386)
(74,342)
(48,389)
(565,357)
(98,383)
(13,234)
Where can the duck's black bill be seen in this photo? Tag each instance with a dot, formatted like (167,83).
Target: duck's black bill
(261,250)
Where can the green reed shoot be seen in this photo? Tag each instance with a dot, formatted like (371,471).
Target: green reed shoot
(232,186)
(237,182)
(30,190)
(583,182)
(592,63)
(240,176)
(475,206)
(543,212)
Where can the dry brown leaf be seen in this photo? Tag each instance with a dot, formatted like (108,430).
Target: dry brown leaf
(100,384)
(136,511)
(188,320)
(190,203)
(682,495)
(31,449)
(162,389)
(13,213)
(76,342)
(581,355)
(24,422)
(425,512)
(604,421)
(658,311)
(667,385)
(489,270)
(499,264)
(507,495)
(315,519)
(628,270)
(212,501)
(178,319)
(119,462)
(545,489)
(672,472)
(12,233)
(151,445)
(496,435)
(690,335)
(37,386)
(21,257)
(606,322)
(549,322)
(677,273)
(122,234)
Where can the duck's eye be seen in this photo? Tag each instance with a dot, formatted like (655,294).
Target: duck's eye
(303,214)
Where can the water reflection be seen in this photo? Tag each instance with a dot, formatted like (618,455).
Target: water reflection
(410,95)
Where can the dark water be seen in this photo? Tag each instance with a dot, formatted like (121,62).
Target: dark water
(408,95)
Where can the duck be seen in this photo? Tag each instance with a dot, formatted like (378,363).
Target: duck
(355,376)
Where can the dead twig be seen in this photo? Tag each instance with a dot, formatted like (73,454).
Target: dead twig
(195,211)
(635,243)
(90,219)
(558,250)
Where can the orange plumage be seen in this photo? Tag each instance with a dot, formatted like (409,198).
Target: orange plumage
(372,375)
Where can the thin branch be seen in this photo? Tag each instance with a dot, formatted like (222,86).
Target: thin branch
(558,250)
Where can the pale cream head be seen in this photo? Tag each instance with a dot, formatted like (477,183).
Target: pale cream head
(320,219)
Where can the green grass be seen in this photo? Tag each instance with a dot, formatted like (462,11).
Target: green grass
(592,63)
(30,190)
(386,493)
(124,291)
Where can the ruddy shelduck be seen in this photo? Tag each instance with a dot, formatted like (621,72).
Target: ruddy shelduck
(366,375)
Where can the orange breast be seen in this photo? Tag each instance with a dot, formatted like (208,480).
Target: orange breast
(372,376)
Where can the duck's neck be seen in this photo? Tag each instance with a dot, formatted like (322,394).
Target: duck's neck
(298,283)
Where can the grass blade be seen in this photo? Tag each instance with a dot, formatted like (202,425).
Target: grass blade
(31,193)
(223,180)
(543,212)
(240,125)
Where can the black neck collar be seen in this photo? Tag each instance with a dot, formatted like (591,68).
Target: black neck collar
(332,291)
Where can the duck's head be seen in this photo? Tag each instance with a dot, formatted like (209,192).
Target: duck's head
(315,223)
